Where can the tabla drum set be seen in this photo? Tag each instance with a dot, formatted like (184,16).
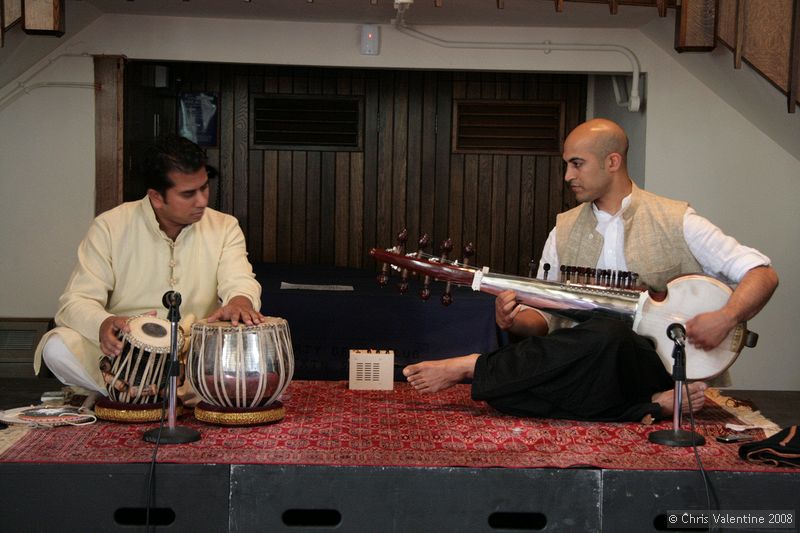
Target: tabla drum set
(135,379)
(239,372)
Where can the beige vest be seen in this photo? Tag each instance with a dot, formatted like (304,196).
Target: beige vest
(654,245)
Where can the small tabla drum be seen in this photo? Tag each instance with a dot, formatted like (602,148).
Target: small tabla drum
(240,371)
(136,378)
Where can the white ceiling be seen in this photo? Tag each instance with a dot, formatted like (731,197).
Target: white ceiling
(419,12)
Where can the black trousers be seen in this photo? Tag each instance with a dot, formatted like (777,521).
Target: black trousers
(598,370)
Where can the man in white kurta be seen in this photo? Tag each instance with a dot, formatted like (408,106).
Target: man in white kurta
(600,369)
(133,254)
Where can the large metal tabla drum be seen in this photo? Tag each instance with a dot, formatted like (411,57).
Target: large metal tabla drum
(240,371)
(136,378)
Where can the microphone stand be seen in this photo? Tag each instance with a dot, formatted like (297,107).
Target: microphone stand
(172,434)
(677,436)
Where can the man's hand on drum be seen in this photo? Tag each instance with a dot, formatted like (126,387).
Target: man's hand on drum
(238,309)
(110,342)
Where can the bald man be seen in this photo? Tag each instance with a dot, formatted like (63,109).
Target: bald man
(600,369)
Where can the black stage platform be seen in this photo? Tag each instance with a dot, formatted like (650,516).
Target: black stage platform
(246,498)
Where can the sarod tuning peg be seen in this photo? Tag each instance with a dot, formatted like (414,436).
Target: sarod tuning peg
(425,291)
(446,247)
(402,238)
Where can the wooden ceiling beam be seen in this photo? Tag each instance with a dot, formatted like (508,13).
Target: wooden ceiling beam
(738,40)
(613,5)
(695,26)
(43,17)
(632,3)
(794,60)
(12,12)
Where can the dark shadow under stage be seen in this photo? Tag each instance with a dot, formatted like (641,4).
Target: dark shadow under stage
(386,461)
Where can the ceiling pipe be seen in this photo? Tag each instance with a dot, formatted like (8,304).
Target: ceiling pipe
(634,101)
(24,87)
(616,81)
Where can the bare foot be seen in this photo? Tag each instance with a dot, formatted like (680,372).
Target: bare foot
(666,399)
(433,376)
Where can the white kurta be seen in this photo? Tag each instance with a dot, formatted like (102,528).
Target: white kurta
(126,264)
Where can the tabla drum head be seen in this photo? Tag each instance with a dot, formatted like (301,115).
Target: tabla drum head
(151,332)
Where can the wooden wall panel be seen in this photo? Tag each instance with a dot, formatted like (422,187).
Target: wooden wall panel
(768,38)
(400,155)
(269,252)
(428,170)
(313,207)
(726,20)
(527,210)
(512,214)
(226,140)
(355,231)
(298,207)
(327,230)
(329,207)
(414,153)
(483,235)
(255,199)
(284,229)
(384,229)
(695,22)
(441,188)
(240,150)
(109,111)
(760,32)
(498,213)
(12,12)
(43,17)
(342,207)
(370,172)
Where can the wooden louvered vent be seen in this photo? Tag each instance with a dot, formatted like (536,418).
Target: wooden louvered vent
(306,122)
(18,340)
(524,127)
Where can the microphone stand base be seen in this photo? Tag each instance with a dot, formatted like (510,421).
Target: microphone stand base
(176,435)
(676,437)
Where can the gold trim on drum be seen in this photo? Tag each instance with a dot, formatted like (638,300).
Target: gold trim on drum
(133,415)
(244,417)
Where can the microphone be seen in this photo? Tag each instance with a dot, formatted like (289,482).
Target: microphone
(677,333)
(171,299)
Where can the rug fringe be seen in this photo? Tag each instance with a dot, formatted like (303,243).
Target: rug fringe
(11,435)
(750,419)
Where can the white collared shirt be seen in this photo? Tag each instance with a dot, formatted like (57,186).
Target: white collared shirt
(719,254)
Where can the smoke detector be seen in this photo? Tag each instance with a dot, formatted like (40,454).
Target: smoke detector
(402,5)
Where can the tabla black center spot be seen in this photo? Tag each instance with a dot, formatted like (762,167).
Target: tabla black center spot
(154,330)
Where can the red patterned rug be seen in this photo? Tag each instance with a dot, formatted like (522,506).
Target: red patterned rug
(328,424)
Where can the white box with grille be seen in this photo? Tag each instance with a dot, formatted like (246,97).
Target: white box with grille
(371,369)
